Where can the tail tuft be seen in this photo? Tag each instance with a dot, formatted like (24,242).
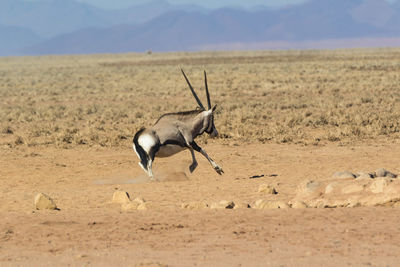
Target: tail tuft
(144,158)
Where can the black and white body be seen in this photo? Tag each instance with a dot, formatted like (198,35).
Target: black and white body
(175,132)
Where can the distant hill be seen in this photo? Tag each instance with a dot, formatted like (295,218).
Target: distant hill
(46,19)
(12,37)
(54,17)
(67,26)
(182,30)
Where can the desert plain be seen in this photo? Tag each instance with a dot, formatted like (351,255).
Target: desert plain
(291,124)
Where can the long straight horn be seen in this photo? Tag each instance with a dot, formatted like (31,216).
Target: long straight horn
(193,92)
(208,94)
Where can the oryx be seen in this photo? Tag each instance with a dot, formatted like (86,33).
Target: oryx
(174,132)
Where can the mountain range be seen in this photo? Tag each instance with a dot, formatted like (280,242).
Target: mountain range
(70,27)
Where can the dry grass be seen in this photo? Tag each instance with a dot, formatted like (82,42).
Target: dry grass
(305,97)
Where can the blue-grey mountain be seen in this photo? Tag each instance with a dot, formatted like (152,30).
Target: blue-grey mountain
(158,26)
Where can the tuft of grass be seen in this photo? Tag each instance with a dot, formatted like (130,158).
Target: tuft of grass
(302,97)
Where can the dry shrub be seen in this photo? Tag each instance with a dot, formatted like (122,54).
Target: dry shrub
(304,97)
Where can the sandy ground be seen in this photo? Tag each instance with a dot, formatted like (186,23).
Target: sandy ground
(90,230)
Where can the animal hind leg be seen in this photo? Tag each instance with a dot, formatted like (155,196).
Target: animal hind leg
(150,170)
(194,164)
(152,154)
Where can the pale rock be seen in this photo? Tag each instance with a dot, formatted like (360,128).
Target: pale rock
(139,200)
(43,201)
(223,204)
(364,176)
(379,185)
(136,204)
(194,205)
(129,206)
(382,200)
(381,172)
(268,204)
(142,206)
(343,175)
(267,189)
(317,203)
(308,186)
(330,187)
(353,188)
(120,197)
(325,203)
(297,205)
(353,202)
(242,205)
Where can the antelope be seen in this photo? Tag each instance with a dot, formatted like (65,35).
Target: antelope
(175,132)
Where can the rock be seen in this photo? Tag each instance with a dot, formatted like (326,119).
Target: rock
(139,200)
(364,176)
(266,204)
(129,206)
(317,203)
(353,202)
(330,187)
(382,200)
(136,204)
(267,188)
(43,202)
(298,205)
(308,186)
(379,185)
(353,188)
(224,204)
(343,175)
(120,197)
(142,206)
(194,205)
(242,205)
(381,172)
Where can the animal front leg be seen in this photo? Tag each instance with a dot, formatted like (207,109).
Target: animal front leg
(217,168)
(194,164)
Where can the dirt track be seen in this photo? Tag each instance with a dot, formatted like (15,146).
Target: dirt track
(89,230)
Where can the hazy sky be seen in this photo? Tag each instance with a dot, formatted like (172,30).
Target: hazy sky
(117,4)
(205,3)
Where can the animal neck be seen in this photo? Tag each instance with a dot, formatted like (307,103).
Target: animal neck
(181,116)
(200,122)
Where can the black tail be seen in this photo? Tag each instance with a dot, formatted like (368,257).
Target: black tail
(142,154)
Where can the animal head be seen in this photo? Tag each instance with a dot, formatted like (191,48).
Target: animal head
(208,123)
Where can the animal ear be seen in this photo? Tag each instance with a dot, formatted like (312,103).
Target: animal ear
(213,108)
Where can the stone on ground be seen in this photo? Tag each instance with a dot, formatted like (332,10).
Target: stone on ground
(381,172)
(223,204)
(364,176)
(352,188)
(379,185)
(343,175)
(308,186)
(136,204)
(43,202)
(120,197)
(298,205)
(330,187)
(270,204)
(195,205)
(267,189)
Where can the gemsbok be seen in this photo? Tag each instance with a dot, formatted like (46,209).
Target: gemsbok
(175,132)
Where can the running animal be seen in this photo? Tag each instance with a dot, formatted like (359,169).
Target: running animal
(175,132)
